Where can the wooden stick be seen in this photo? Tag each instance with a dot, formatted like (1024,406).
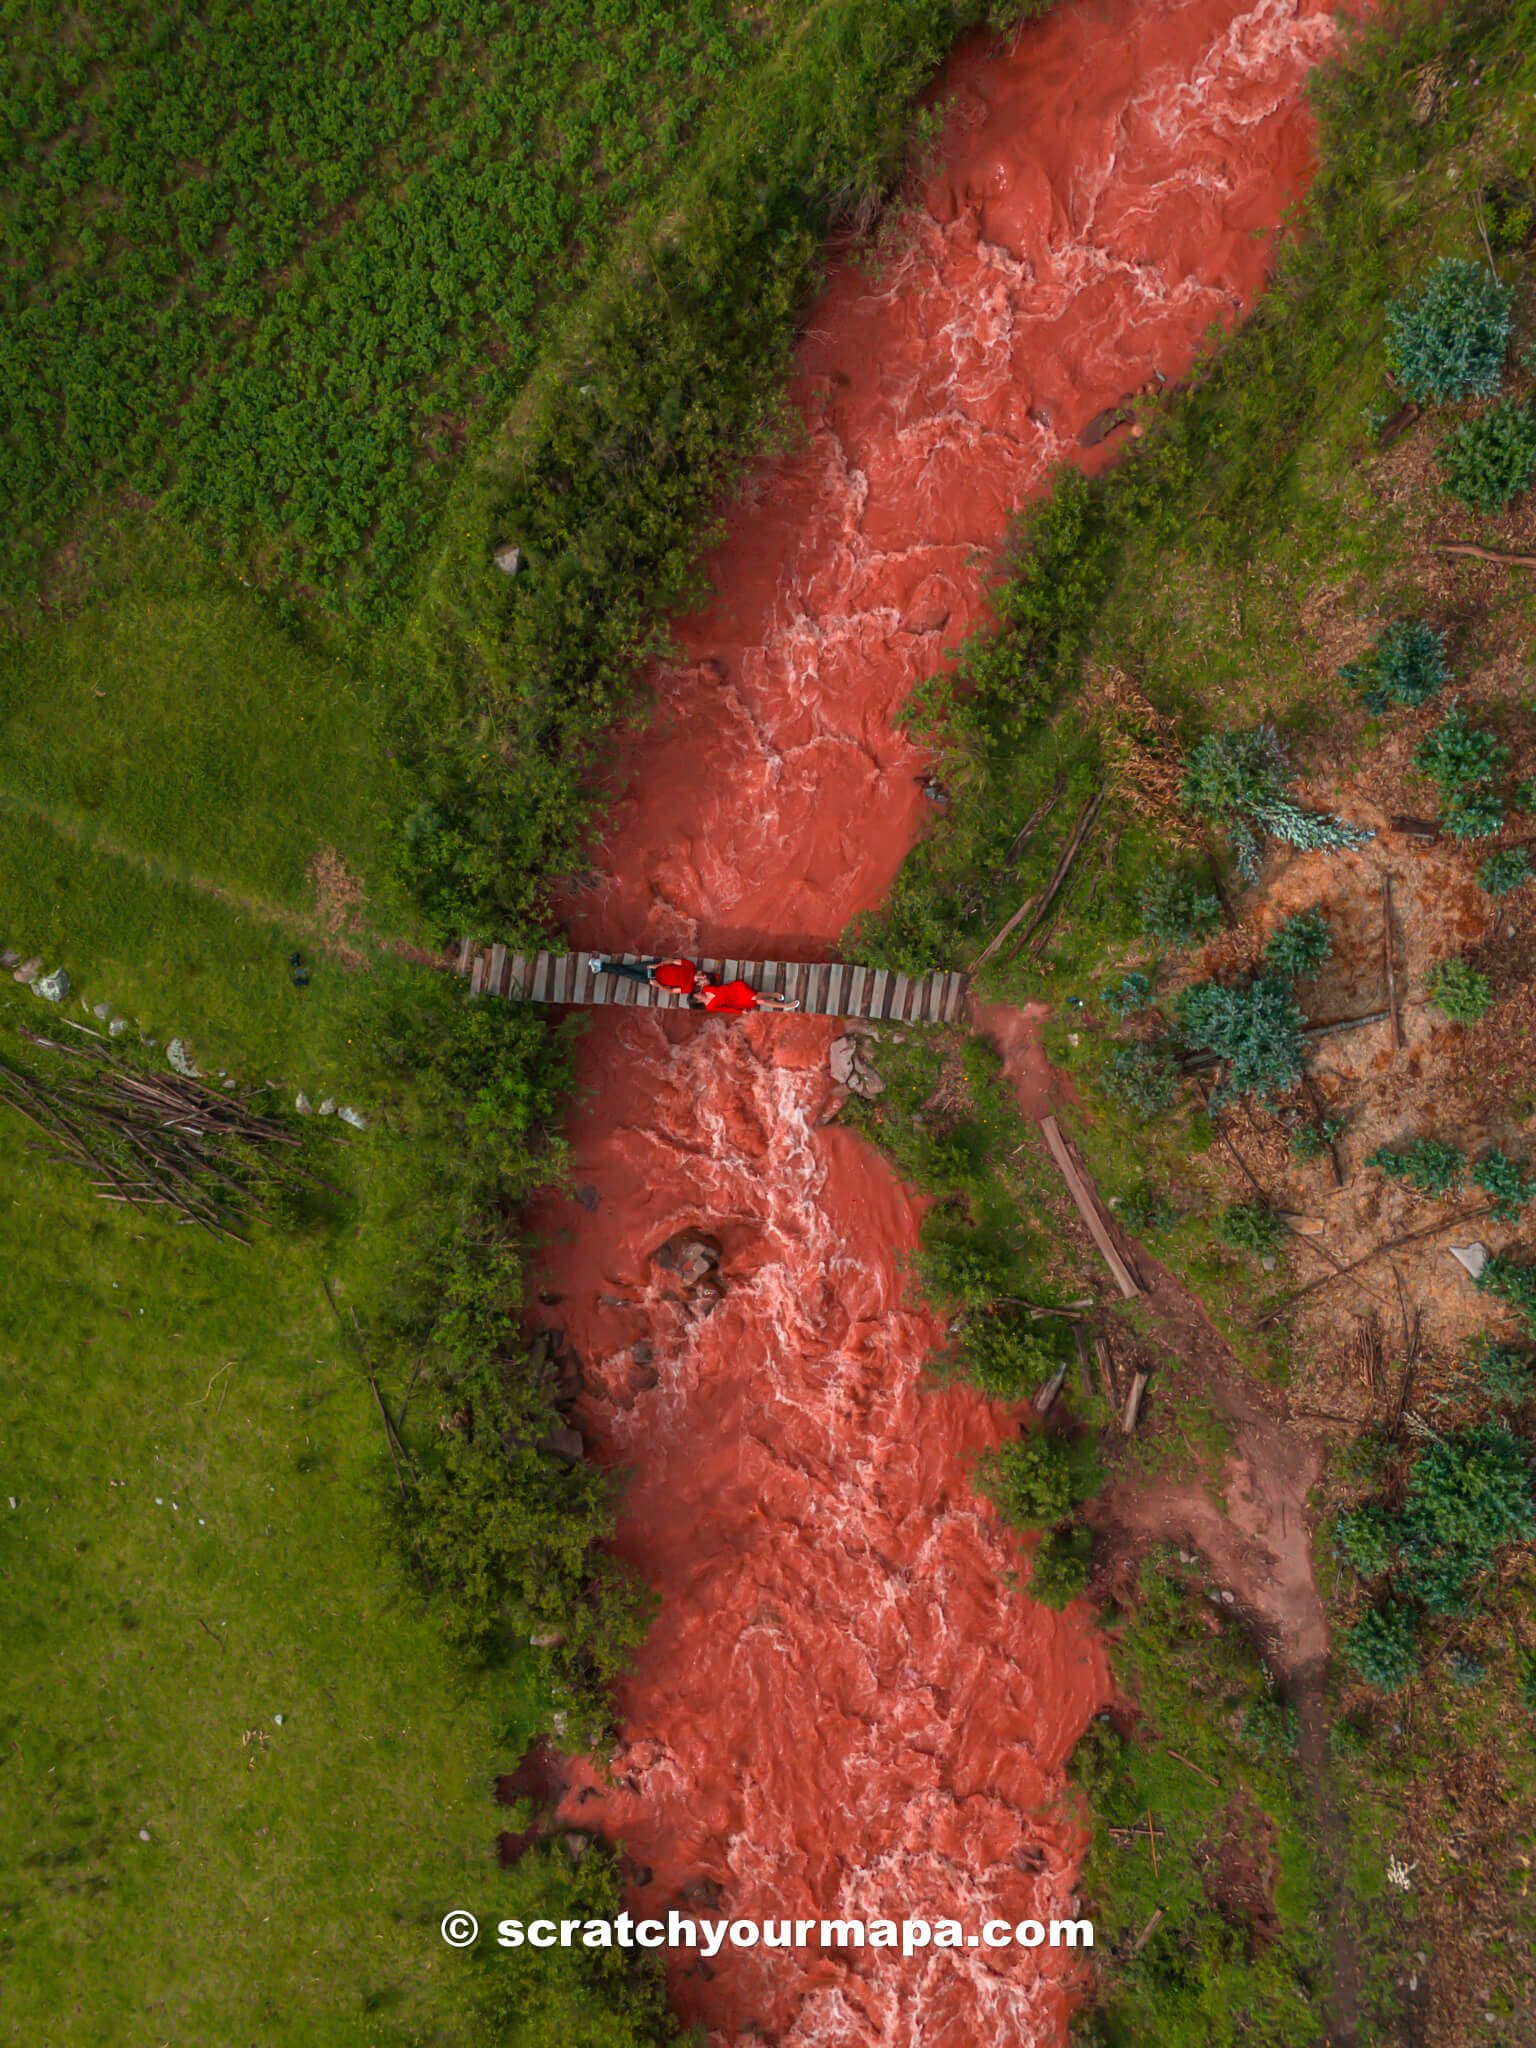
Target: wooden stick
(1032,824)
(1184,1760)
(1391,964)
(1045,1400)
(1147,1932)
(1085,823)
(389,1436)
(1484,554)
(1410,1237)
(1152,1840)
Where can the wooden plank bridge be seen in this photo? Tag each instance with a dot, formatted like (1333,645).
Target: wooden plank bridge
(829,989)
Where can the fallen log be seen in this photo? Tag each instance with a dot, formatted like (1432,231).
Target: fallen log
(1133,1403)
(1039,904)
(1390,962)
(1090,1209)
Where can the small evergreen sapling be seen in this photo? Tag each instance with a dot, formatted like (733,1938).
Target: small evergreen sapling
(1300,947)
(1251,1227)
(1383,1646)
(1406,666)
(1457,755)
(1490,461)
(1428,1164)
(1460,990)
(1502,873)
(1256,1030)
(1512,1281)
(1448,339)
(1141,1078)
(1505,1182)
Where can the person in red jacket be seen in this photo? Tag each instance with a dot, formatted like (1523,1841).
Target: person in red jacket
(682,977)
(736,997)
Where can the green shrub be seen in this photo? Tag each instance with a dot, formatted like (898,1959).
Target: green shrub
(1309,1141)
(1406,666)
(1301,946)
(1383,1646)
(1428,1164)
(1141,1078)
(1368,1538)
(1502,873)
(1462,991)
(1490,461)
(1514,1281)
(1504,1180)
(1473,814)
(1058,1570)
(1256,1030)
(1175,912)
(1008,1356)
(1129,995)
(1464,1670)
(1035,1480)
(1251,1227)
(1448,339)
(1459,756)
(1525,795)
(1502,1373)
(957,1265)
(1144,1209)
(1469,1494)
(1270,1725)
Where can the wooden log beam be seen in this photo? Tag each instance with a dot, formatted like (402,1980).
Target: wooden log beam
(1090,1209)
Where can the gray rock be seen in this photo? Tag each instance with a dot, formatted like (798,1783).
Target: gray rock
(178,1056)
(1473,1256)
(9,957)
(53,988)
(102,1012)
(354,1117)
(303,1105)
(28,971)
(508,560)
(567,1445)
(117,1027)
(328,1106)
(842,1058)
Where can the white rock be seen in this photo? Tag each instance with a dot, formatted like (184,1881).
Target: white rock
(117,1027)
(53,988)
(303,1105)
(354,1117)
(102,1012)
(328,1106)
(1473,1256)
(842,1057)
(178,1055)
(508,560)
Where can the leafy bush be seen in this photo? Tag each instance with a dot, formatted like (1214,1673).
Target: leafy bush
(1503,1179)
(1448,339)
(1428,1164)
(1131,994)
(1464,1670)
(1144,1209)
(1240,781)
(1489,461)
(1473,814)
(1502,873)
(1256,1030)
(1459,756)
(1251,1227)
(1383,1646)
(1469,1494)
(958,1265)
(1301,946)
(1367,1536)
(1141,1078)
(1058,1571)
(1035,1480)
(1175,912)
(1525,794)
(1270,1724)
(1406,666)
(1007,1356)
(1503,1374)
(1514,1281)
(1462,991)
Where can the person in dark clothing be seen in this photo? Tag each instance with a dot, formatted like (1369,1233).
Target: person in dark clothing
(679,976)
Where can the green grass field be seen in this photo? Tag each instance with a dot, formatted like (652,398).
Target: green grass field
(197,1545)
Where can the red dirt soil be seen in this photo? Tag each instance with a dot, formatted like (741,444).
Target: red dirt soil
(847,1706)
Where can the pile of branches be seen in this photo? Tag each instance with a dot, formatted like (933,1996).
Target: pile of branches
(155,1140)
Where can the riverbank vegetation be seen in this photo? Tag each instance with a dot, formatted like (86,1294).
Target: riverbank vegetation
(1291,971)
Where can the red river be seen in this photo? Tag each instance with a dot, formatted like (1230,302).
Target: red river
(849,1706)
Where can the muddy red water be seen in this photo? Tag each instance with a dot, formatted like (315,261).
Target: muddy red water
(848,1706)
